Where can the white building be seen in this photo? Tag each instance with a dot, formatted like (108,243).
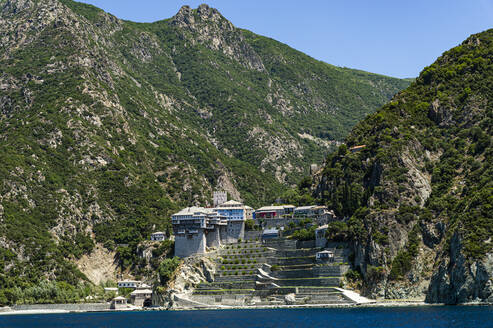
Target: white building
(249,212)
(158,236)
(110,289)
(196,228)
(274,212)
(119,302)
(219,197)
(325,256)
(129,284)
(319,213)
(142,296)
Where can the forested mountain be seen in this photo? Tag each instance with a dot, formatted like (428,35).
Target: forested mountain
(419,195)
(107,126)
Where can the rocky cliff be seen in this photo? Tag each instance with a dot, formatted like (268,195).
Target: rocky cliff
(189,274)
(418,195)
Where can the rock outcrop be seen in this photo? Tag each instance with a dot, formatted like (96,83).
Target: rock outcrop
(460,280)
(193,271)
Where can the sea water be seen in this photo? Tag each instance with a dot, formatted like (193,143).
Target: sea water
(355,317)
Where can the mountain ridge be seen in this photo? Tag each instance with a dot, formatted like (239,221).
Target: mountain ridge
(108,126)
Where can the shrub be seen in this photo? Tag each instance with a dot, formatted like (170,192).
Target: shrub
(402,263)
(167,268)
(375,273)
(337,231)
(304,234)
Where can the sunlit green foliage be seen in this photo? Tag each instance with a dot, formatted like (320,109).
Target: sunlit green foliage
(443,122)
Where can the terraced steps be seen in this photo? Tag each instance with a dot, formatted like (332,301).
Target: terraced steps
(248,284)
(256,274)
(234,278)
(296,266)
(302,282)
(231,291)
(312,272)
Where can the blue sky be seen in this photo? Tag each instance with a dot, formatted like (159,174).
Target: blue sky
(392,37)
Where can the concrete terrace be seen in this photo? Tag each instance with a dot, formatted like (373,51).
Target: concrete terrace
(274,273)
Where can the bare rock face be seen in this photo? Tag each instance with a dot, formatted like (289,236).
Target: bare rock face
(207,26)
(99,266)
(290,299)
(190,273)
(458,280)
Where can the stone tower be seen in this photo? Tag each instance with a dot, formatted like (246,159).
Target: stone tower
(219,197)
(313,169)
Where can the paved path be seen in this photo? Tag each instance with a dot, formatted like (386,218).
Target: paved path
(355,296)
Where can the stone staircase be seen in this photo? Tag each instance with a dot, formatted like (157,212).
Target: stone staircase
(250,273)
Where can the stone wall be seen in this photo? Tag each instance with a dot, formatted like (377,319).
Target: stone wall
(292,261)
(330,270)
(280,243)
(327,282)
(186,245)
(253,235)
(66,307)
(236,230)
(305,244)
(213,238)
(320,240)
(296,252)
(223,234)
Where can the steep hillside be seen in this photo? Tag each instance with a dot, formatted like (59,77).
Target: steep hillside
(420,194)
(107,126)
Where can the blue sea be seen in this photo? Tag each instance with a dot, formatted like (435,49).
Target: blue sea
(414,317)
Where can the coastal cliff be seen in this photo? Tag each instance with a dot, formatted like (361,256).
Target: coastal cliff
(415,182)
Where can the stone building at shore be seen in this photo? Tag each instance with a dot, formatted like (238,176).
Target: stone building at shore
(196,228)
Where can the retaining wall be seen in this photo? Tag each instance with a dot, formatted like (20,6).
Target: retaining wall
(280,243)
(252,235)
(234,278)
(330,270)
(292,261)
(305,244)
(325,282)
(227,285)
(296,252)
(67,307)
